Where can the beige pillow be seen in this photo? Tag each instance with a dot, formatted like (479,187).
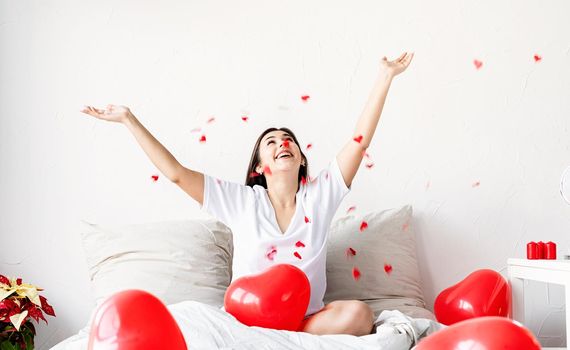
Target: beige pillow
(388,239)
(174,260)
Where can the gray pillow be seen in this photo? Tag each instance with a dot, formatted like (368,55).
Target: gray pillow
(174,260)
(388,240)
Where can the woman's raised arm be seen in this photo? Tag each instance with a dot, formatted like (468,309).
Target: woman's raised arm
(192,182)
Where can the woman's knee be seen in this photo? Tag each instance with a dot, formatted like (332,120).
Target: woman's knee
(359,315)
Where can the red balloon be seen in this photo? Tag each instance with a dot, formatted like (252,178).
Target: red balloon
(134,319)
(275,298)
(482,293)
(485,333)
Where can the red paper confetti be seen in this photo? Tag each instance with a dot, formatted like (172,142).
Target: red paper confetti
(271,253)
(388,268)
(211,120)
(286,143)
(307,220)
(537,58)
(267,170)
(196,130)
(405,226)
(299,244)
(358,138)
(369,165)
(477,64)
(350,252)
(303,180)
(203,138)
(351,209)
(475,184)
(309,146)
(297,255)
(355,273)
(244,118)
(305,98)
(363,226)
(154,178)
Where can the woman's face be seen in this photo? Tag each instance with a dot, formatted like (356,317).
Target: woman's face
(279,151)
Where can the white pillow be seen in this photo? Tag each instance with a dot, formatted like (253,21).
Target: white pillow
(174,260)
(388,239)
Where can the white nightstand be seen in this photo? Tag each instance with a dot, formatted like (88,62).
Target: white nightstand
(550,271)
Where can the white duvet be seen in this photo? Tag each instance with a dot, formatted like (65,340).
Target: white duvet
(207,327)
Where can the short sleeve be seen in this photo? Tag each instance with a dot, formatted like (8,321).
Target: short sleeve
(329,189)
(225,200)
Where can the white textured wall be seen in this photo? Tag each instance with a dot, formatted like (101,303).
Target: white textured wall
(445,126)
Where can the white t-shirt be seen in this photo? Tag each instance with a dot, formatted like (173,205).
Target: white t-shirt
(258,241)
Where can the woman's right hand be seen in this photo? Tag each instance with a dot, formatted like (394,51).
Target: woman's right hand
(112,113)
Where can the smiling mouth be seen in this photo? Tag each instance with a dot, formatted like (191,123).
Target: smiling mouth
(285,156)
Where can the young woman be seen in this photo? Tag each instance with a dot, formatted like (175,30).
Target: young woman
(281,215)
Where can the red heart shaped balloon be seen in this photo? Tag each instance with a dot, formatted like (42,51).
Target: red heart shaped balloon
(489,333)
(134,320)
(482,293)
(275,298)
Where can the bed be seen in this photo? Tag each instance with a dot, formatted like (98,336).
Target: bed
(187,265)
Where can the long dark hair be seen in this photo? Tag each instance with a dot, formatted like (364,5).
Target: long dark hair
(254,161)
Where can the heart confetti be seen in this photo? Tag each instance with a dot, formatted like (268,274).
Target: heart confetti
(477,64)
(309,146)
(358,138)
(286,143)
(350,252)
(154,178)
(303,180)
(299,244)
(307,220)
(351,209)
(388,268)
(355,273)
(297,255)
(369,165)
(203,138)
(537,58)
(305,98)
(211,120)
(271,253)
(363,226)
(244,118)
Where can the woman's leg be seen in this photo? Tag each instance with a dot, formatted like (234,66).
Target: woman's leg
(341,317)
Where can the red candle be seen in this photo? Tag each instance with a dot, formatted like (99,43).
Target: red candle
(541,250)
(532,250)
(550,251)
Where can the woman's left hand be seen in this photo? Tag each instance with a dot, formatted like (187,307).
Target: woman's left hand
(396,66)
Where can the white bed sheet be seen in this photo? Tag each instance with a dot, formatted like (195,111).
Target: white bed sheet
(207,327)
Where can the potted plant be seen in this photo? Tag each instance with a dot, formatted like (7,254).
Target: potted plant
(19,304)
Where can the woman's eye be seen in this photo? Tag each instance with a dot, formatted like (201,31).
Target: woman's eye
(270,142)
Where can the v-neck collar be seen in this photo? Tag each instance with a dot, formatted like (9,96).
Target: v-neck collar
(293,218)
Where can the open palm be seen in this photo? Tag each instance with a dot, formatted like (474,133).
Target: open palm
(398,65)
(112,113)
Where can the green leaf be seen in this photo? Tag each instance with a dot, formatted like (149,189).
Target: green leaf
(29,341)
(6,345)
